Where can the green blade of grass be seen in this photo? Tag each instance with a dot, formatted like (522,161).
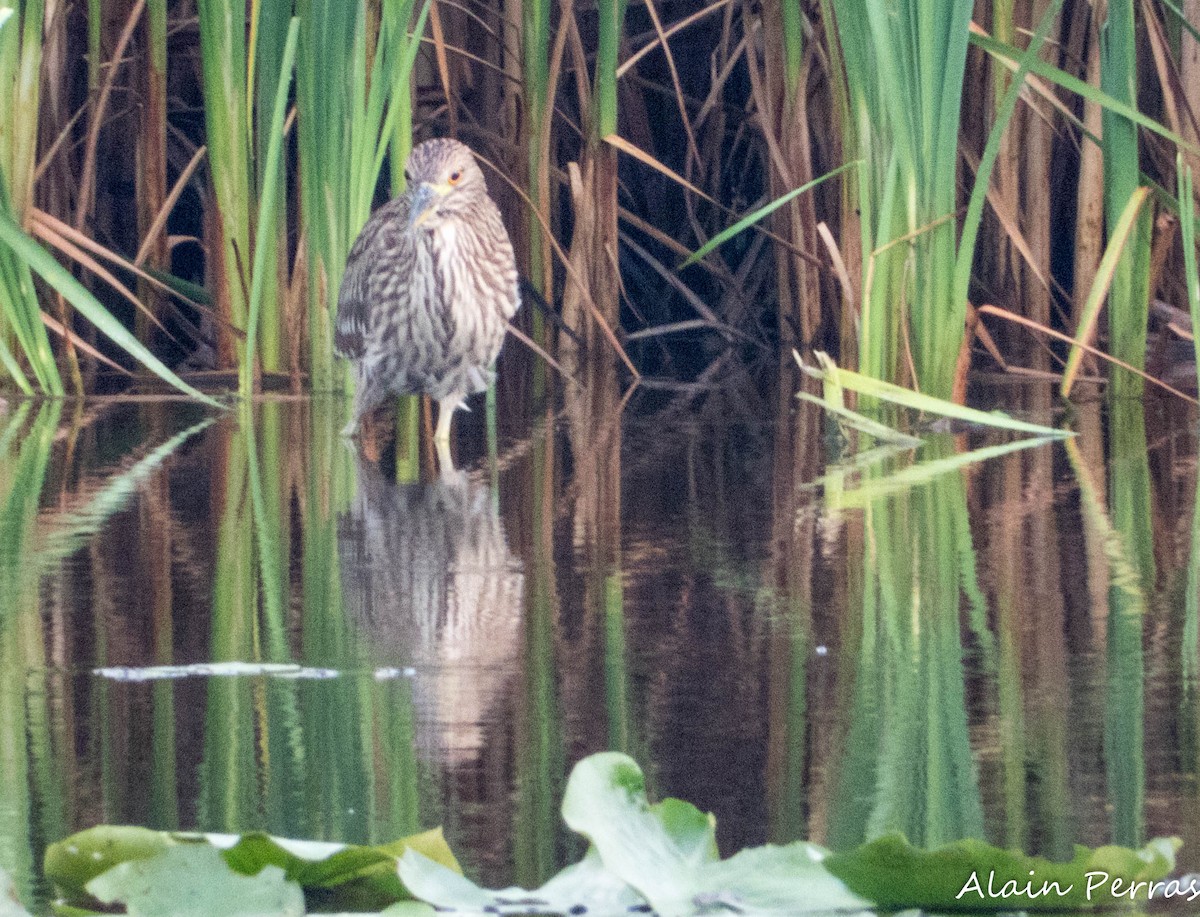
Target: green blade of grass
(70,532)
(1187,222)
(1104,275)
(19,316)
(266,208)
(862,424)
(1084,90)
(1182,19)
(983,175)
(871,490)
(886,391)
(751,218)
(1129,294)
(224,70)
(905,63)
(13,368)
(611,16)
(350,105)
(403,72)
(58,277)
(21,327)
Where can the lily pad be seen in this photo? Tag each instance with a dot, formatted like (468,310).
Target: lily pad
(585,887)
(193,880)
(404,909)
(345,877)
(662,857)
(974,876)
(72,863)
(791,879)
(668,852)
(333,876)
(643,857)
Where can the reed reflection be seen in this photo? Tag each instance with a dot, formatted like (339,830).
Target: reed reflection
(907,762)
(430,583)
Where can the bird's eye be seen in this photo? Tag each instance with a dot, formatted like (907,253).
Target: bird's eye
(455,178)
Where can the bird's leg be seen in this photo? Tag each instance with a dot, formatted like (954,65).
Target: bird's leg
(446,409)
(441,436)
(445,461)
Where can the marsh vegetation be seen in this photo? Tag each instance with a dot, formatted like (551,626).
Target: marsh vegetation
(200,168)
(226,620)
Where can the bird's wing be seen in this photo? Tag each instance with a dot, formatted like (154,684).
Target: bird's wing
(378,249)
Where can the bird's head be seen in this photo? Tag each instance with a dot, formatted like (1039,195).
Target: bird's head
(443,180)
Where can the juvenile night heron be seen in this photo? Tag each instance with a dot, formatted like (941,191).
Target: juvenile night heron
(429,288)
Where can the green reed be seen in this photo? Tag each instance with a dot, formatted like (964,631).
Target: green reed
(538,728)
(1187,225)
(1126,539)
(348,81)
(20,320)
(907,764)
(228,124)
(604,92)
(1129,296)
(20,67)
(265,276)
(30,770)
(896,74)
(792,16)
(905,69)
(238,121)
(536,37)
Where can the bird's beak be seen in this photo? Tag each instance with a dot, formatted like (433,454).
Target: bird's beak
(423,205)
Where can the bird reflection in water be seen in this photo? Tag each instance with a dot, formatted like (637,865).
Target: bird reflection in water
(429,582)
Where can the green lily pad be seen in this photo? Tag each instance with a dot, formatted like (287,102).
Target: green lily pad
(338,876)
(973,876)
(791,879)
(404,909)
(72,863)
(658,850)
(333,876)
(193,880)
(643,856)
(668,852)
(586,883)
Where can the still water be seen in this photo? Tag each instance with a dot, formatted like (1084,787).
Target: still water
(1004,648)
